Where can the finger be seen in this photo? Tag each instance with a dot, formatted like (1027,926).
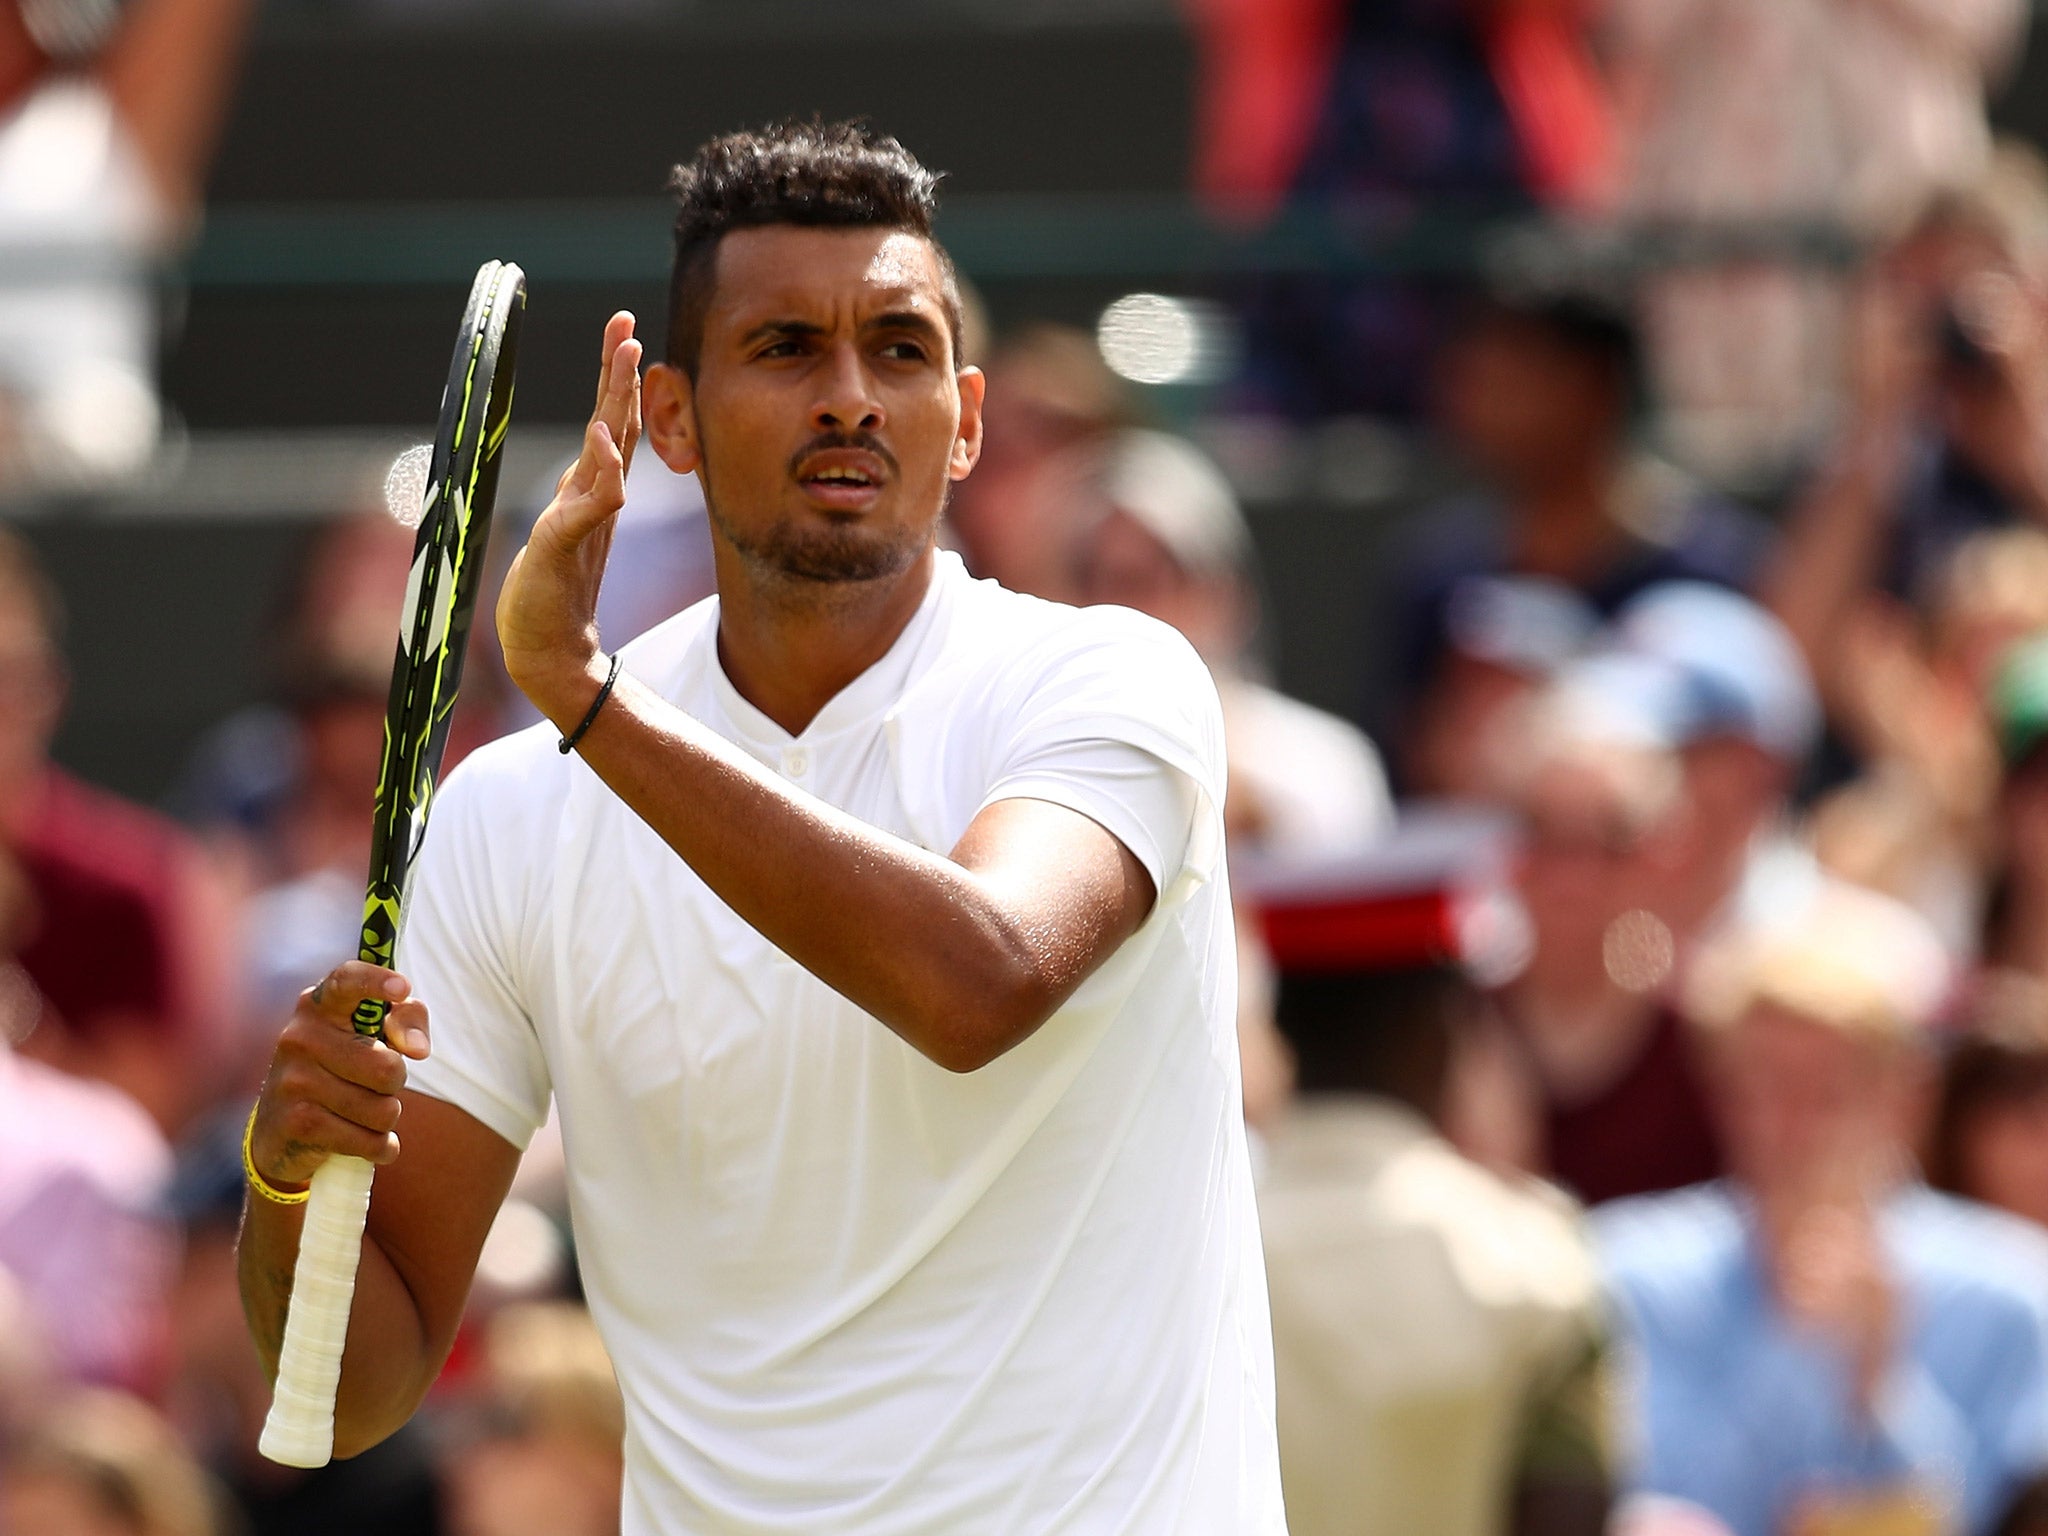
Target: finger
(608,492)
(308,1134)
(622,417)
(617,330)
(360,1059)
(595,494)
(629,439)
(334,997)
(618,411)
(405,1028)
(308,1082)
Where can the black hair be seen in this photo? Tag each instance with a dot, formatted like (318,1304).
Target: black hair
(814,174)
(1380,1032)
(1593,322)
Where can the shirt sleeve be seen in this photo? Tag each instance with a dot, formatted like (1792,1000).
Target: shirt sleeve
(1116,717)
(1143,803)
(460,949)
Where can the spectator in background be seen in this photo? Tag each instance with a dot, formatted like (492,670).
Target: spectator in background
(1990,1139)
(102,1464)
(121,927)
(84,1259)
(1606,823)
(1052,402)
(1538,392)
(1384,110)
(2016,920)
(1915,700)
(1854,112)
(1948,393)
(1437,1330)
(1821,1343)
(281,790)
(328,633)
(108,117)
(1742,711)
(1504,638)
(1653,790)
(1172,543)
(545,1454)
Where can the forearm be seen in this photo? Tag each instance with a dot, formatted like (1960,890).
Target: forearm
(386,1368)
(1833,549)
(957,966)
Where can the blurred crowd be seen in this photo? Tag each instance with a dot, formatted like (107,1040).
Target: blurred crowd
(1643,999)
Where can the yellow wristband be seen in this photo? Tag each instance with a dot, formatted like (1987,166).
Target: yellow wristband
(257,1182)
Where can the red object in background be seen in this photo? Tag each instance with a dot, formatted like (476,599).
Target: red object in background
(1364,933)
(104,877)
(1649,1131)
(1560,106)
(1265,67)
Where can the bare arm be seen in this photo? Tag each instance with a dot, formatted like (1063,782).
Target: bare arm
(171,71)
(1834,547)
(330,1091)
(1835,542)
(962,955)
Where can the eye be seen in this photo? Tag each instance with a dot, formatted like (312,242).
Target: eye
(904,351)
(784,348)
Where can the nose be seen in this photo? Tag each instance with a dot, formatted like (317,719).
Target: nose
(847,398)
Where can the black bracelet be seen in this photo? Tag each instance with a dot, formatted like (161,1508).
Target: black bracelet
(568,743)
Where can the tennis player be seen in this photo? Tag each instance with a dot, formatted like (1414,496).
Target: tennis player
(872,940)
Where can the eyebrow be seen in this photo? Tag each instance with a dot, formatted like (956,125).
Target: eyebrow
(804,330)
(904,320)
(794,329)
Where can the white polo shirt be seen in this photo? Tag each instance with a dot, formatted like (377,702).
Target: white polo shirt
(846,1290)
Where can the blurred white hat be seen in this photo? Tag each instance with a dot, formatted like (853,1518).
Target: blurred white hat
(1180,497)
(1745,674)
(1849,958)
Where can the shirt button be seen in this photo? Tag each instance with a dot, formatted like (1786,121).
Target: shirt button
(795,763)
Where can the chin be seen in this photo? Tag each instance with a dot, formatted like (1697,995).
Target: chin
(842,552)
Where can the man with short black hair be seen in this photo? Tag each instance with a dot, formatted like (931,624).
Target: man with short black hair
(877,954)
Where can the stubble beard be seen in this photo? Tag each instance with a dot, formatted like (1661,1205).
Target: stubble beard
(806,567)
(833,556)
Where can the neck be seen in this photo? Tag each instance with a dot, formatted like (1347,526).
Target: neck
(1582,1035)
(1565,525)
(789,647)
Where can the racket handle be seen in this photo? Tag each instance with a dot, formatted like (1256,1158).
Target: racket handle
(300,1429)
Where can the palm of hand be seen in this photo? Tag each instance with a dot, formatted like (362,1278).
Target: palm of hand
(547,608)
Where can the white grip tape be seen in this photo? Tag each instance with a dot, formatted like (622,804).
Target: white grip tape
(300,1429)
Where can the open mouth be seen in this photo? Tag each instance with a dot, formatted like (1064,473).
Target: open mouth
(841,479)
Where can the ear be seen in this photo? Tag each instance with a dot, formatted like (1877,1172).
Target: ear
(967,441)
(668,413)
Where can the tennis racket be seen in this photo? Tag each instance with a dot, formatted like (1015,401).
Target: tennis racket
(440,601)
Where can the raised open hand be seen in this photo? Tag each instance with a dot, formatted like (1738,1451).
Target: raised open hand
(547,610)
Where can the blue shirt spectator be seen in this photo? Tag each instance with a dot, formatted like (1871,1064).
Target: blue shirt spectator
(1746,1412)
(1820,1344)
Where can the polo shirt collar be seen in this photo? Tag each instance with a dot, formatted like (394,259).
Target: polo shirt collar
(862,702)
